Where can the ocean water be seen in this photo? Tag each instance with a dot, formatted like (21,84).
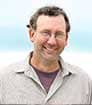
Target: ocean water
(17,38)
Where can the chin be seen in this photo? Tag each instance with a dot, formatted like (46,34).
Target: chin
(50,58)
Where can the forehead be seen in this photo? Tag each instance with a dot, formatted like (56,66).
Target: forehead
(44,20)
(55,19)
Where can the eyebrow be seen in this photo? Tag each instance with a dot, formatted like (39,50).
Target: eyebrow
(50,31)
(61,32)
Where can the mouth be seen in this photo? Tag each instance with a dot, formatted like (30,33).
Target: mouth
(49,50)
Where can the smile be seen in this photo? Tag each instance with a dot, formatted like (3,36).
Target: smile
(50,50)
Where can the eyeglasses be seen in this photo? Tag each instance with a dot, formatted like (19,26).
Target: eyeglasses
(47,34)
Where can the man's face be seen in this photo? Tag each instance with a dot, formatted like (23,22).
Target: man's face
(50,37)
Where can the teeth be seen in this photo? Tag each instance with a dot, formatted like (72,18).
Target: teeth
(50,49)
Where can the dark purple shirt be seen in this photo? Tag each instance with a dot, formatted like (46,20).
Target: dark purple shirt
(46,78)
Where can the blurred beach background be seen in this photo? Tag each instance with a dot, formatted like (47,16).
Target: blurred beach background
(15,44)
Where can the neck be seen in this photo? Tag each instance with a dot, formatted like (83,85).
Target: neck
(45,66)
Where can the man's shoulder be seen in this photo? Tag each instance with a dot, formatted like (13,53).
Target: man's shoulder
(11,69)
(78,71)
(71,67)
(74,69)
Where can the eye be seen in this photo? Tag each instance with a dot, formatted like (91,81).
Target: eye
(45,33)
(60,35)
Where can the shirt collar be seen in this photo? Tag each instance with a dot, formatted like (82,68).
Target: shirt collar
(66,68)
(22,65)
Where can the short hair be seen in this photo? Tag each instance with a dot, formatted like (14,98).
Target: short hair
(48,11)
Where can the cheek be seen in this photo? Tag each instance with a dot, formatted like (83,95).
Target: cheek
(62,43)
(39,41)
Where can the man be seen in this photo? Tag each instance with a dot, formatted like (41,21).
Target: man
(44,78)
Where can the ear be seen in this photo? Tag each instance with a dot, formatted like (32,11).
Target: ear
(31,34)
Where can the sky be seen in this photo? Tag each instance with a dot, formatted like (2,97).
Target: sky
(15,14)
(14,38)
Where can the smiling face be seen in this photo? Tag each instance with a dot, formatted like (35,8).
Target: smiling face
(50,37)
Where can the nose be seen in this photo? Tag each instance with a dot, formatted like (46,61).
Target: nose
(52,40)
